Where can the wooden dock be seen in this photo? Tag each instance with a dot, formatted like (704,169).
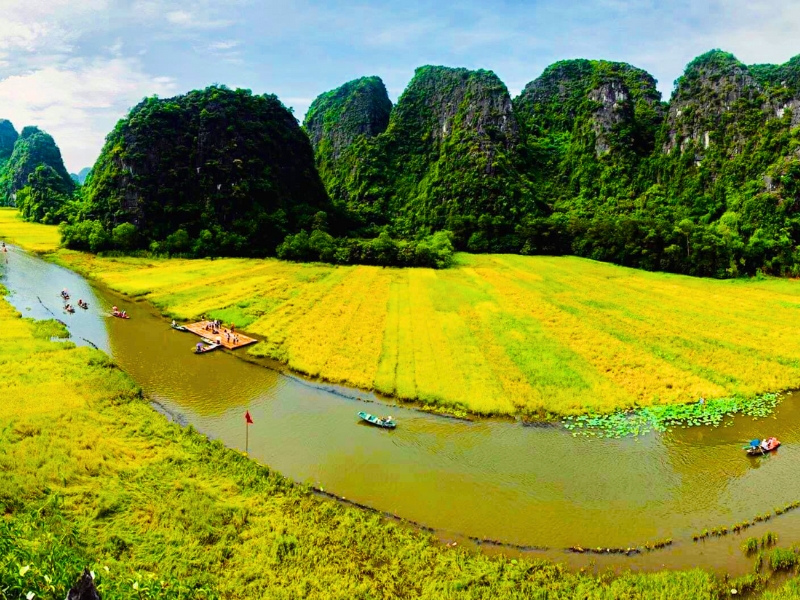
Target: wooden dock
(203,329)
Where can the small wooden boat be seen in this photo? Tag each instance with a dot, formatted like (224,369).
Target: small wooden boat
(205,349)
(378,422)
(760,449)
(69,309)
(177,327)
(84,306)
(64,296)
(119,315)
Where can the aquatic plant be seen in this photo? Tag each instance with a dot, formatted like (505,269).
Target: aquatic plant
(750,545)
(782,559)
(769,539)
(663,418)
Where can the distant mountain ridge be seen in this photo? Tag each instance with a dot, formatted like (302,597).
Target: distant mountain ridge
(589,160)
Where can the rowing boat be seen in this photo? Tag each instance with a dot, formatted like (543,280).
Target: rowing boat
(119,315)
(756,449)
(179,328)
(378,422)
(205,349)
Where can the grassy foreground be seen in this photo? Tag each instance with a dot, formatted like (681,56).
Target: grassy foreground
(91,476)
(496,334)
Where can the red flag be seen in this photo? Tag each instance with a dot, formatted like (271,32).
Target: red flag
(247,418)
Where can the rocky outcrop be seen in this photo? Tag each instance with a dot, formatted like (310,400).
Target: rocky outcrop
(614,108)
(357,108)
(713,84)
(442,101)
(604,96)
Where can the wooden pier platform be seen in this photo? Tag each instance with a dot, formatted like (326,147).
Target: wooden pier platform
(199,328)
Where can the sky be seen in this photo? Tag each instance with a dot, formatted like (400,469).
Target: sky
(75,67)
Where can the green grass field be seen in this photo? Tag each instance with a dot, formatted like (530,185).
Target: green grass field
(497,334)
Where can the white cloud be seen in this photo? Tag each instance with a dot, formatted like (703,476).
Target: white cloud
(50,26)
(78,104)
(196,20)
(223,45)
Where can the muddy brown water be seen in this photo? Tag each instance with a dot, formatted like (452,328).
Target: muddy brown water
(527,486)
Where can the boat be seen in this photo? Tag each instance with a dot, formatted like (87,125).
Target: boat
(84,306)
(378,422)
(64,296)
(119,315)
(69,309)
(205,349)
(756,448)
(177,327)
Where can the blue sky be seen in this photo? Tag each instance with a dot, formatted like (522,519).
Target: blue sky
(74,67)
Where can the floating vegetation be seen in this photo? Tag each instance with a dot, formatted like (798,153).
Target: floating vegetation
(666,417)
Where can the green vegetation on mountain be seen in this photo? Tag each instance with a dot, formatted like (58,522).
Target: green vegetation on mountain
(589,161)
(33,177)
(215,171)
(8,136)
(338,122)
(450,157)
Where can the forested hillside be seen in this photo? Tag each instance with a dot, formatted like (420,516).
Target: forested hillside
(215,171)
(587,160)
(32,174)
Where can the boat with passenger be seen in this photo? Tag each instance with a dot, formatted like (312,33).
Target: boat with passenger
(762,447)
(386,422)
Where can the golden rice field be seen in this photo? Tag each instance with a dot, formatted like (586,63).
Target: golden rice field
(497,334)
(34,236)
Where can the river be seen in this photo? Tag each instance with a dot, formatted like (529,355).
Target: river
(528,486)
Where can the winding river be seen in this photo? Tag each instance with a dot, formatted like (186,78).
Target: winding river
(526,486)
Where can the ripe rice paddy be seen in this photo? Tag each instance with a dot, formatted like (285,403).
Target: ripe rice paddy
(497,334)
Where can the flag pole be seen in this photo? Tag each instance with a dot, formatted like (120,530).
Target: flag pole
(248,420)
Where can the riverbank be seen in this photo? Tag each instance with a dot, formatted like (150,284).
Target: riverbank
(495,335)
(92,476)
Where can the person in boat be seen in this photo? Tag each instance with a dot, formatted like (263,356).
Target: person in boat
(64,293)
(199,347)
(765,444)
(388,419)
(114,309)
(174,323)
(124,314)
